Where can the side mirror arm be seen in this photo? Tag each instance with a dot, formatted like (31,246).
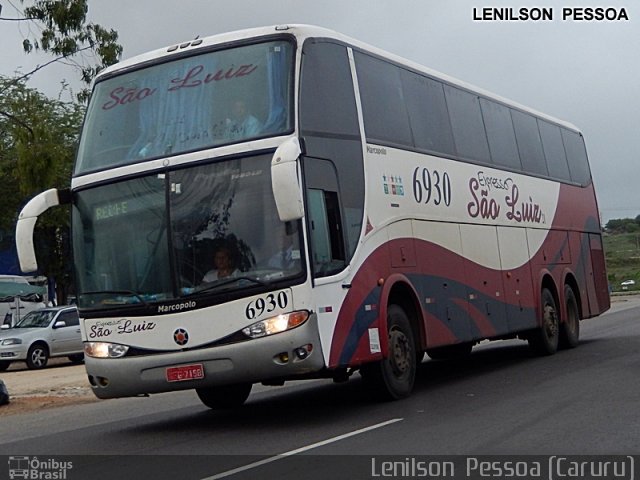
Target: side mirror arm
(27,222)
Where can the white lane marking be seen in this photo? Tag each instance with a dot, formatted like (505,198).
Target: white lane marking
(282,456)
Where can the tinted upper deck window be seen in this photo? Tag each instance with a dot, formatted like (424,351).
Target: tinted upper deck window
(500,134)
(383,105)
(576,156)
(554,150)
(468,127)
(327,101)
(529,143)
(428,113)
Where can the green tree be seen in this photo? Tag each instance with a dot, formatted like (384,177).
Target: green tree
(38,136)
(36,153)
(64,32)
(622,225)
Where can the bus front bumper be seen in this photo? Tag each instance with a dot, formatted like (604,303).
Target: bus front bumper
(268,358)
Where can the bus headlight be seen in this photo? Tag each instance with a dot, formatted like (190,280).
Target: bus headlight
(105,350)
(277,324)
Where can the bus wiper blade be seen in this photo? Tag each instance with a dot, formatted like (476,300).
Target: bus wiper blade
(129,293)
(222,283)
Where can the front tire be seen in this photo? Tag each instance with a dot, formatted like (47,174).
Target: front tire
(38,356)
(224,397)
(544,340)
(393,377)
(570,328)
(77,359)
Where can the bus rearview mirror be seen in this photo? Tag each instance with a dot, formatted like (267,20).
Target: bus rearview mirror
(285,182)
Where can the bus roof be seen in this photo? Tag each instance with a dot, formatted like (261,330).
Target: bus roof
(301,32)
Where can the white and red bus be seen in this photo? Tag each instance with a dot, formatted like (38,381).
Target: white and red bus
(366,210)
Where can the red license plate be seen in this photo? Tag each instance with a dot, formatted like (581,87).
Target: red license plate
(186,372)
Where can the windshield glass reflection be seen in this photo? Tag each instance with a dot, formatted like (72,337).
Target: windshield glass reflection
(226,229)
(188,104)
(198,230)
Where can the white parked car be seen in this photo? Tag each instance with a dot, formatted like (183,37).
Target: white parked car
(40,335)
(628,283)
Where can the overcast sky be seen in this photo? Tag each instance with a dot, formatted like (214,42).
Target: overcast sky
(585,72)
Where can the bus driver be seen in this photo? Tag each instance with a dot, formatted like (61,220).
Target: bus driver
(225,266)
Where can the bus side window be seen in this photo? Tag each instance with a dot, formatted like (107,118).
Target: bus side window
(326,234)
(576,157)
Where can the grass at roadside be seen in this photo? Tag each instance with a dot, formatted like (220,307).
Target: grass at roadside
(622,253)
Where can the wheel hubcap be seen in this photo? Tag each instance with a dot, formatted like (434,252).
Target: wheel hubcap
(550,321)
(38,357)
(400,353)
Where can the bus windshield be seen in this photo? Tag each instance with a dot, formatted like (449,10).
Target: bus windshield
(163,236)
(192,103)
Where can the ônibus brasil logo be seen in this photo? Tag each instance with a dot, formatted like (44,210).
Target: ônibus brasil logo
(38,468)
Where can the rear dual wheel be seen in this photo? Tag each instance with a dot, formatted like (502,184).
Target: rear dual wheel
(553,334)
(544,340)
(570,328)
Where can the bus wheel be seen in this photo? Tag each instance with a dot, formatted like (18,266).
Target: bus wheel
(544,340)
(37,356)
(77,358)
(451,352)
(224,397)
(4,365)
(570,328)
(393,377)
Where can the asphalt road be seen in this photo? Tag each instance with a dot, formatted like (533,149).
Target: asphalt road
(502,401)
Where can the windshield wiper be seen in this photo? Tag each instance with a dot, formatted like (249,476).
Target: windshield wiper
(129,293)
(222,283)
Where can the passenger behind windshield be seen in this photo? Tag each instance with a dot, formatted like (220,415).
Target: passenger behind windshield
(239,125)
(288,257)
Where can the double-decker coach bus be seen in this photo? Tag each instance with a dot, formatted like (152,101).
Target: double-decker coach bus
(284,203)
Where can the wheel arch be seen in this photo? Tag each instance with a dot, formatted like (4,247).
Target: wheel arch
(42,342)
